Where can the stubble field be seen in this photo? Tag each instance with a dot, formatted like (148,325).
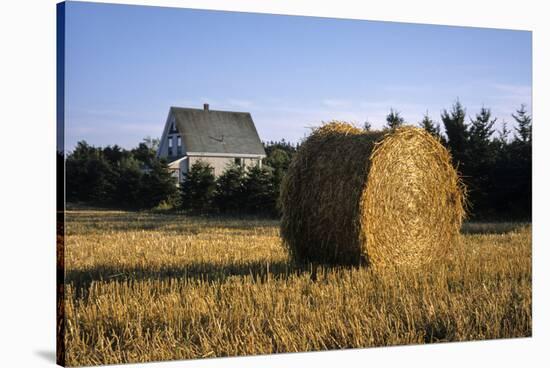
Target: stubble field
(143,287)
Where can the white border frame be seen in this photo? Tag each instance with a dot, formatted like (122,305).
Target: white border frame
(27,76)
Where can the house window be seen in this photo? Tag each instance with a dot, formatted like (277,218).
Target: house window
(173,127)
(179,145)
(170,143)
(238,161)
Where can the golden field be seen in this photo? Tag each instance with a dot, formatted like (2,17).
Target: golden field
(143,287)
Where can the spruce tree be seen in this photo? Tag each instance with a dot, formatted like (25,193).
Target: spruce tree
(481,157)
(456,131)
(197,189)
(129,191)
(481,128)
(230,189)
(521,152)
(394,119)
(158,184)
(259,191)
(524,122)
(430,126)
(367,126)
(502,135)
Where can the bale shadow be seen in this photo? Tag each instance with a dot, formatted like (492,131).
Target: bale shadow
(206,272)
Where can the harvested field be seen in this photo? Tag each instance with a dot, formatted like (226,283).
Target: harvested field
(143,286)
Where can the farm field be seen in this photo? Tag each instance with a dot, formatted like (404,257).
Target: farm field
(145,287)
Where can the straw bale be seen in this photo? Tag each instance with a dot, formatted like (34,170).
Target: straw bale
(378,198)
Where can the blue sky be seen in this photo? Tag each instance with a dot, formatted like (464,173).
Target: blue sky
(126,65)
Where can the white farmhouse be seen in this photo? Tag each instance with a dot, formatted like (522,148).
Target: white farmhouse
(219,138)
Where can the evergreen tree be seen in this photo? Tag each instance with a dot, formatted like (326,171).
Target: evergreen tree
(456,131)
(480,150)
(89,176)
(60,180)
(430,126)
(158,184)
(283,145)
(278,160)
(502,137)
(229,196)
(481,156)
(114,176)
(198,188)
(394,119)
(259,191)
(367,126)
(128,189)
(114,154)
(524,125)
(101,180)
(144,154)
(481,128)
(522,164)
(511,179)
(83,151)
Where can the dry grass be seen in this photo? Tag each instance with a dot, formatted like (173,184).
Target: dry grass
(143,287)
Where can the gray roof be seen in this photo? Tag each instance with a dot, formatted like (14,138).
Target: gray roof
(214,131)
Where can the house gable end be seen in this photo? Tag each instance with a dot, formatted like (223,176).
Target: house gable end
(175,148)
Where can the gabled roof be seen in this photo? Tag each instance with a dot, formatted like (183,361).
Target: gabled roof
(211,131)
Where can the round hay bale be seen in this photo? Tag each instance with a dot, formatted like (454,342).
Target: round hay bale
(379,198)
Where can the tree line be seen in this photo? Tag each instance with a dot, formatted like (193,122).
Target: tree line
(116,177)
(136,179)
(494,165)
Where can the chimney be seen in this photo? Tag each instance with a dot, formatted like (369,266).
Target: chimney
(206,107)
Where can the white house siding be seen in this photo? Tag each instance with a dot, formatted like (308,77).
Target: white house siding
(220,164)
(178,168)
(181,166)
